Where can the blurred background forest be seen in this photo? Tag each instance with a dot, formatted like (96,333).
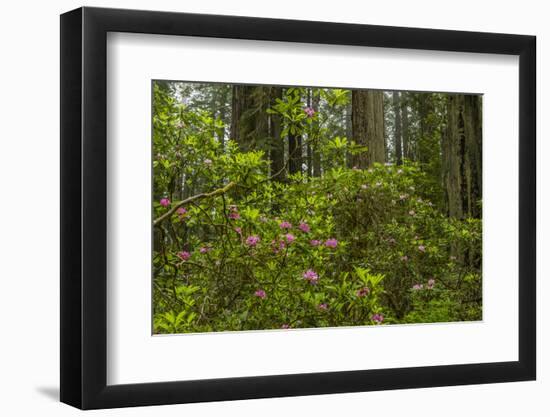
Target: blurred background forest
(292,207)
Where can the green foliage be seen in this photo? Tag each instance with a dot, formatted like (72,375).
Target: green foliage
(340,249)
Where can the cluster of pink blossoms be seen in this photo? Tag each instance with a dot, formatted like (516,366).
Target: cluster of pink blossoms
(377,318)
(304,227)
(277,245)
(323,306)
(314,242)
(309,111)
(363,292)
(204,249)
(429,285)
(311,276)
(252,240)
(290,238)
(234,213)
(285,225)
(164,202)
(184,255)
(331,243)
(260,294)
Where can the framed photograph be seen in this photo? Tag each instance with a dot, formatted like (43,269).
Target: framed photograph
(258,208)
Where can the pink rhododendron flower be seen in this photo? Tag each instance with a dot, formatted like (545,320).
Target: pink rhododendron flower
(323,306)
(422,248)
(252,240)
(260,294)
(431,283)
(377,318)
(417,287)
(314,242)
(405,258)
(285,326)
(331,243)
(204,249)
(234,215)
(311,276)
(304,227)
(285,225)
(181,211)
(290,237)
(239,230)
(184,255)
(164,202)
(363,292)
(277,245)
(309,111)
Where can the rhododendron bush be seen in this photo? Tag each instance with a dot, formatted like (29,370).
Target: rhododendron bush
(239,245)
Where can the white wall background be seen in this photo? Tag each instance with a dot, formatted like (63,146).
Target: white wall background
(29,225)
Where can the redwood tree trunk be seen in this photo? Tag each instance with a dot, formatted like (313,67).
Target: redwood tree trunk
(367,119)
(405,126)
(462,156)
(277,148)
(397,132)
(315,102)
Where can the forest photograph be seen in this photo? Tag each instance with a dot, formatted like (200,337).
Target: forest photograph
(286,207)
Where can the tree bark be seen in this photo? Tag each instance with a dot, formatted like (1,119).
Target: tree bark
(367,119)
(462,156)
(405,126)
(277,148)
(397,127)
(249,122)
(294,153)
(315,103)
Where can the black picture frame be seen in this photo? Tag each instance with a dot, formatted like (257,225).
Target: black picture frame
(84,207)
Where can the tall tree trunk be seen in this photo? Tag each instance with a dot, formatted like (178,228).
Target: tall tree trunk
(277,148)
(427,128)
(462,156)
(397,131)
(367,119)
(309,150)
(294,153)
(405,125)
(315,103)
(249,121)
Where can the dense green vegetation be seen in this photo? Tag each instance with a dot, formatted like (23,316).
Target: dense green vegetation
(302,207)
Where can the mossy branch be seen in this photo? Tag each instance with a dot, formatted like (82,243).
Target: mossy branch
(189,200)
